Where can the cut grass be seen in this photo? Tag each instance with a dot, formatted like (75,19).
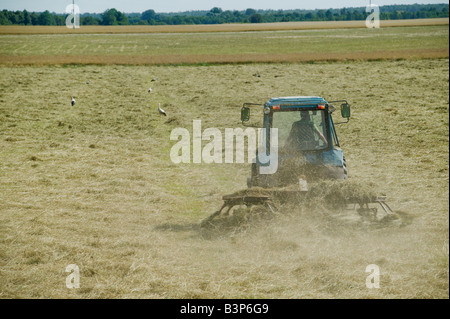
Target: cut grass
(241,47)
(128,216)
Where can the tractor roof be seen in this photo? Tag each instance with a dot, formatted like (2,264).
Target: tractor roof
(296,100)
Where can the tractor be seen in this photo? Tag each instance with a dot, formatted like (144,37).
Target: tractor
(306,136)
(299,139)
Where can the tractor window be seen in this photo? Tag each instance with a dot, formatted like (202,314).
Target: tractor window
(301,130)
(333,134)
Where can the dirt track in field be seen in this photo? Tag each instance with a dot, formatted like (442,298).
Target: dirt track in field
(219,59)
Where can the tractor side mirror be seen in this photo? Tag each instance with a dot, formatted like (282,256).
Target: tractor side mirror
(245,114)
(345,110)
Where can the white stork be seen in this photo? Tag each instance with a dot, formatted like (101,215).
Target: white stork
(160,110)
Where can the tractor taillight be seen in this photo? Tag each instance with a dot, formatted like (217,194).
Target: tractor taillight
(321,107)
(276,107)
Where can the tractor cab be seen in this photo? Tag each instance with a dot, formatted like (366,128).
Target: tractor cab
(307,141)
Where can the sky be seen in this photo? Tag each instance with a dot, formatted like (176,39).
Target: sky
(129,6)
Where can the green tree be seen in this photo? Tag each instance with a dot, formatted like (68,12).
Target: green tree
(89,20)
(148,15)
(114,17)
(26,18)
(46,18)
(357,15)
(4,20)
(18,17)
(216,11)
(250,12)
(59,19)
(121,18)
(109,17)
(329,15)
(321,14)
(309,16)
(256,18)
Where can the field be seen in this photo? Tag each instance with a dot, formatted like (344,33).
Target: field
(93,185)
(235,27)
(340,44)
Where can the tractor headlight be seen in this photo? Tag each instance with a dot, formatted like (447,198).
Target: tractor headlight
(267,110)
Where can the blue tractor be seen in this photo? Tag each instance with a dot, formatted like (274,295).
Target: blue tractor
(307,143)
(299,152)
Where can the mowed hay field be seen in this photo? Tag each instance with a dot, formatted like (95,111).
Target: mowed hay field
(93,185)
(226,47)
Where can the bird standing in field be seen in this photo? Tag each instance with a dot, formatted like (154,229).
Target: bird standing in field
(73,101)
(160,110)
(150,90)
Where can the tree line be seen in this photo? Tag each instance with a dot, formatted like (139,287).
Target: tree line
(218,16)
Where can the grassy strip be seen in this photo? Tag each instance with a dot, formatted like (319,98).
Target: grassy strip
(225,47)
(217,27)
(223,59)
